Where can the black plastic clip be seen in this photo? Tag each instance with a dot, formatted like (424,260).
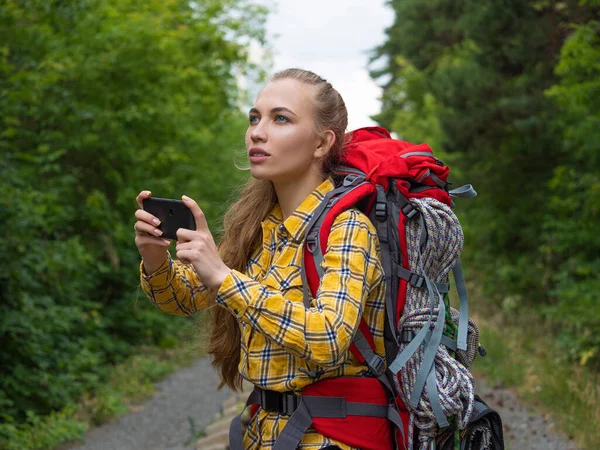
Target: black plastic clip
(416,280)
(376,365)
(410,211)
(381,211)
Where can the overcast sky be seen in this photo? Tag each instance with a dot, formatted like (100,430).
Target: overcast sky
(332,38)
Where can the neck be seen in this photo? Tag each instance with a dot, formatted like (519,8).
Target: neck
(291,194)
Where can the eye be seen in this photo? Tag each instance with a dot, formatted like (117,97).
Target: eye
(285,119)
(251,119)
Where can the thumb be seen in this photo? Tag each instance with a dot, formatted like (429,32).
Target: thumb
(201,224)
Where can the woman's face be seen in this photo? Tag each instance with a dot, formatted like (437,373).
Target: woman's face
(281,138)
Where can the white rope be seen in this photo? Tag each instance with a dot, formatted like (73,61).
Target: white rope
(454,382)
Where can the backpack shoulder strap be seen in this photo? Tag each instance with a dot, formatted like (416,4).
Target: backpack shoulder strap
(354,189)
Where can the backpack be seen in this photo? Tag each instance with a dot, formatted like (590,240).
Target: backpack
(426,394)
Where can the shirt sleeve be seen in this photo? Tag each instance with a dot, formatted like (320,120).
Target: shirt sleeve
(322,333)
(175,288)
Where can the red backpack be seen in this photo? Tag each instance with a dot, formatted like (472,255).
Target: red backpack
(395,183)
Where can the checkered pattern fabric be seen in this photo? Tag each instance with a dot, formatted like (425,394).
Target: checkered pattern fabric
(286,346)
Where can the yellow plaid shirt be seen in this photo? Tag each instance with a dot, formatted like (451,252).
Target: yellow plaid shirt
(284,345)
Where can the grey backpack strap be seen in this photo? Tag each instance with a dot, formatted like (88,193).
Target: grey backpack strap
(313,230)
(427,368)
(329,407)
(236,437)
(375,363)
(463,321)
(418,281)
(466,191)
(431,340)
(386,241)
(293,431)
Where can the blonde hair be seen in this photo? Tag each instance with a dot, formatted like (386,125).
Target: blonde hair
(242,231)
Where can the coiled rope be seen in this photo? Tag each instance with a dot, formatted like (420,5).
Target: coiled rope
(454,382)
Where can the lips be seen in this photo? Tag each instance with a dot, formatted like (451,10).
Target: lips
(258,152)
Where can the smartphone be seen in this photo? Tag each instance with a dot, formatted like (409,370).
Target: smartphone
(173,215)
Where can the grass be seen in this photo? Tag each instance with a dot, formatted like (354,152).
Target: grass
(128,385)
(522,354)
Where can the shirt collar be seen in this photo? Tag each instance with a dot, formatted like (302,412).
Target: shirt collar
(296,223)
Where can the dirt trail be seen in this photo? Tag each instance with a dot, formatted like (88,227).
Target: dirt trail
(524,429)
(185,403)
(189,397)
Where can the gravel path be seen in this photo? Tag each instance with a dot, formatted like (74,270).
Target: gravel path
(523,429)
(163,423)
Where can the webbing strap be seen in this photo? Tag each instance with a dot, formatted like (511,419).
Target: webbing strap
(417,280)
(332,408)
(394,417)
(449,342)
(313,230)
(236,436)
(432,340)
(463,320)
(437,181)
(317,251)
(345,169)
(466,191)
(431,349)
(386,259)
(306,295)
(406,155)
(292,432)
(339,408)
(375,362)
(412,347)
(405,336)
(434,399)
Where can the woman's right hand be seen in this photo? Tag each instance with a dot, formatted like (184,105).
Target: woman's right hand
(152,248)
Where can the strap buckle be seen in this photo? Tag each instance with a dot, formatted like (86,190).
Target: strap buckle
(416,280)
(352,180)
(311,241)
(381,211)
(376,364)
(406,336)
(409,210)
(281,402)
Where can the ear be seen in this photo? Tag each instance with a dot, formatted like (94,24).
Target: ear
(324,144)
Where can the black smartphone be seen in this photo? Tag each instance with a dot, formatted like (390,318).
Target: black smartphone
(173,215)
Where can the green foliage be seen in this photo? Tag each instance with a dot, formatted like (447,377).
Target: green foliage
(571,242)
(101,99)
(127,384)
(507,94)
(42,433)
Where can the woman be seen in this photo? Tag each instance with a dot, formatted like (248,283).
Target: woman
(261,330)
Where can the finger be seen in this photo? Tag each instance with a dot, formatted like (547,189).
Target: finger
(142,240)
(144,227)
(185,235)
(141,196)
(145,216)
(187,255)
(184,246)
(191,245)
(201,224)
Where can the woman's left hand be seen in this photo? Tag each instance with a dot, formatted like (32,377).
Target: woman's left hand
(199,248)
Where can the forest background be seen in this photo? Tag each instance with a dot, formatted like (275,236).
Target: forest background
(101,98)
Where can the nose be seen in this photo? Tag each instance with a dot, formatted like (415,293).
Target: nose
(258,133)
